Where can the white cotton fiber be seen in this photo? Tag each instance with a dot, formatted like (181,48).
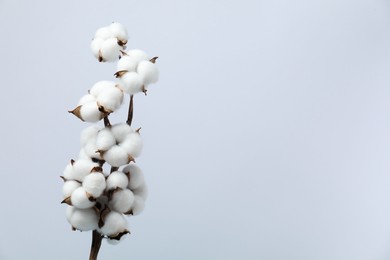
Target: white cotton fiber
(114,223)
(88,134)
(117,179)
(84,219)
(110,50)
(105,139)
(138,205)
(68,172)
(89,112)
(86,99)
(142,191)
(132,144)
(81,168)
(100,86)
(94,184)
(121,200)
(91,150)
(110,98)
(148,71)
(69,187)
(137,55)
(131,83)
(119,31)
(80,200)
(115,241)
(127,63)
(96,45)
(121,131)
(84,155)
(136,176)
(116,156)
(103,33)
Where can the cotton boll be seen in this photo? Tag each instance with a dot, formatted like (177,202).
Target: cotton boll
(91,150)
(138,55)
(121,131)
(138,205)
(127,63)
(136,176)
(94,184)
(80,199)
(104,33)
(96,45)
(133,144)
(88,134)
(86,99)
(114,223)
(131,83)
(141,191)
(117,179)
(81,168)
(105,139)
(148,71)
(68,171)
(84,219)
(110,98)
(100,86)
(84,155)
(89,112)
(116,156)
(118,31)
(121,200)
(69,187)
(110,50)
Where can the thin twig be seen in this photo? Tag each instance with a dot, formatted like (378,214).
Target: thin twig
(131,109)
(95,246)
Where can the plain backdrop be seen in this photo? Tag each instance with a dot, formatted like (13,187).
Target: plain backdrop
(267,136)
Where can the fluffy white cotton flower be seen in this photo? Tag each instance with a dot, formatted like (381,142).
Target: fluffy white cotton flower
(89,134)
(117,179)
(100,86)
(96,45)
(116,156)
(114,223)
(118,31)
(80,199)
(88,98)
(110,50)
(121,200)
(132,144)
(138,205)
(105,139)
(69,187)
(78,170)
(127,63)
(137,55)
(84,219)
(94,184)
(103,33)
(110,98)
(148,71)
(91,150)
(90,112)
(131,83)
(136,176)
(121,131)
(141,191)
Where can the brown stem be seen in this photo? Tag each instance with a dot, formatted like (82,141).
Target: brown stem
(130,114)
(106,122)
(95,246)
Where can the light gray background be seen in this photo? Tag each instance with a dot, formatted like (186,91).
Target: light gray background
(267,136)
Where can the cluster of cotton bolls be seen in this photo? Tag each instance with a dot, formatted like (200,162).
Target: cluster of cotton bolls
(109,41)
(103,98)
(98,199)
